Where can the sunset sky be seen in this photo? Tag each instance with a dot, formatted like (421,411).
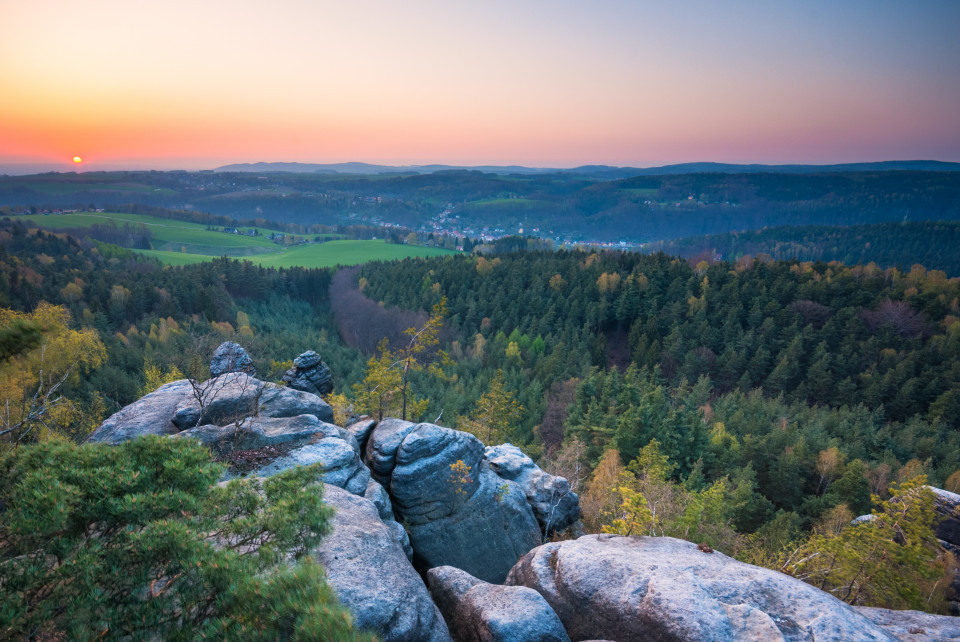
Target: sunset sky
(187,84)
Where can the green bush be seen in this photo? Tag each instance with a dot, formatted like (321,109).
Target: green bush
(139,541)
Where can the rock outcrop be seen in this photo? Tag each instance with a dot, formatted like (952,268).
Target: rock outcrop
(913,626)
(152,414)
(555,506)
(252,433)
(236,395)
(660,588)
(310,374)
(371,575)
(337,458)
(476,611)
(230,357)
(457,511)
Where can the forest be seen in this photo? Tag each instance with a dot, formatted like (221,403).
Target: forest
(900,244)
(770,397)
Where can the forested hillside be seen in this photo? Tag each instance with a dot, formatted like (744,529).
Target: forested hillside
(930,243)
(156,320)
(565,205)
(756,372)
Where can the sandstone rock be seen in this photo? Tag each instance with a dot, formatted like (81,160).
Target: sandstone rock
(469,518)
(380,498)
(381,451)
(660,588)
(476,611)
(236,395)
(555,506)
(361,430)
(913,625)
(257,432)
(230,357)
(152,414)
(947,504)
(367,568)
(485,534)
(310,374)
(339,460)
(423,485)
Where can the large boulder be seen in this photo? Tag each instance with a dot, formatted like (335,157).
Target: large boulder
(476,611)
(235,395)
(230,357)
(310,374)
(458,512)
(381,451)
(947,506)
(253,433)
(913,625)
(660,588)
(367,568)
(337,457)
(555,506)
(152,414)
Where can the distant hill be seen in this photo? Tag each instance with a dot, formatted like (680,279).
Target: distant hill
(597,171)
(932,244)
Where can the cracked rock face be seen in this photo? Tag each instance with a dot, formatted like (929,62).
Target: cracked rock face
(660,588)
(555,506)
(366,566)
(458,512)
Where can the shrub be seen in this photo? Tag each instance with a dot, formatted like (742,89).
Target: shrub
(138,540)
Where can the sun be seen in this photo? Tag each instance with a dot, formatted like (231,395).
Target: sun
(77,160)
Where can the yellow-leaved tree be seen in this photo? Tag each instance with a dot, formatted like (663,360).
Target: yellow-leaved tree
(39,354)
(385,389)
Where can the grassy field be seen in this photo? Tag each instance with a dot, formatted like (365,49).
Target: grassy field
(169,236)
(315,255)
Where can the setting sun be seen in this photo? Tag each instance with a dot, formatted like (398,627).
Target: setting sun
(77,160)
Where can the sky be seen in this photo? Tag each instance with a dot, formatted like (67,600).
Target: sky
(191,85)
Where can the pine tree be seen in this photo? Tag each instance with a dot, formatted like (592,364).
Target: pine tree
(138,541)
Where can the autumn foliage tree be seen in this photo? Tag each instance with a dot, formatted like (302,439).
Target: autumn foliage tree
(385,389)
(891,559)
(40,354)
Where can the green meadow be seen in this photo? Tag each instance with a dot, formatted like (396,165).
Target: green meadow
(183,243)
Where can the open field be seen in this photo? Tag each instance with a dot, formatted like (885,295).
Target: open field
(170,236)
(314,255)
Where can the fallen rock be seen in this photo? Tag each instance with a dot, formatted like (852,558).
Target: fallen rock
(913,625)
(381,451)
(235,395)
(310,374)
(253,433)
(660,588)
(555,506)
(152,414)
(367,568)
(230,357)
(337,458)
(476,611)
